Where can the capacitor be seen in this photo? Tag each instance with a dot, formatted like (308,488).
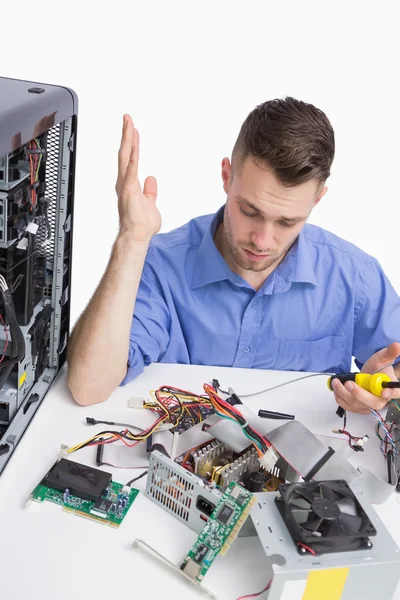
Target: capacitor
(123,502)
(66,496)
(256,482)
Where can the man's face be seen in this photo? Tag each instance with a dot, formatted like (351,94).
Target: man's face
(262,217)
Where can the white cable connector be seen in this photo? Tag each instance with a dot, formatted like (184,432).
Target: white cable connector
(135,402)
(361,442)
(165,426)
(269,460)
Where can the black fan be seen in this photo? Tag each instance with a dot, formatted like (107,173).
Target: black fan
(325,516)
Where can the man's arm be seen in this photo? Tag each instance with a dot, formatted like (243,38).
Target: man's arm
(99,345)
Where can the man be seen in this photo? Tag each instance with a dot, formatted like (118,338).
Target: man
(252,286)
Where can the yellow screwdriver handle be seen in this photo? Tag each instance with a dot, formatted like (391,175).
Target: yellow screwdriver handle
(371,383)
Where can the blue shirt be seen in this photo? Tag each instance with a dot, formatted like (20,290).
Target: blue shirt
(325,303)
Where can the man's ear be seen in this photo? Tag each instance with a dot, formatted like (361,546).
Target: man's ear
(226,172)
(320,195)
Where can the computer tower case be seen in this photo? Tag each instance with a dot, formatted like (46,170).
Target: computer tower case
(38,132)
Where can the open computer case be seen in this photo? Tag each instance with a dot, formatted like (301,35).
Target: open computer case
(38,129)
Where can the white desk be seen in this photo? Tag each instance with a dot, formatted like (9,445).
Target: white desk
(46,553)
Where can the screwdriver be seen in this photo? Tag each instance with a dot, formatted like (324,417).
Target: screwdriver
(374,383)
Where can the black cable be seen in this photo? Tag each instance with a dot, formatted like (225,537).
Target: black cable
(6,271)
(136,478)
(91,421)
(18,341)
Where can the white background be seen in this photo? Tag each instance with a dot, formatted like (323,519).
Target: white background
(189,73)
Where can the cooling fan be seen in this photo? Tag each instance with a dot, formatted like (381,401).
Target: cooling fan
(325,516)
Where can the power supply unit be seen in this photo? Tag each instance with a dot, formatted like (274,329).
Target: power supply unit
(38,131)
(316,535)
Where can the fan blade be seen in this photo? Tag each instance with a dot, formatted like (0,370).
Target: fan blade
(304,493)
(350,524)
(300,503)
(328,494)
(299,514)
(311,525)
(347,506)
(332,529)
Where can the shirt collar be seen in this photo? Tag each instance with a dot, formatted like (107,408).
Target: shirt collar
(210,266)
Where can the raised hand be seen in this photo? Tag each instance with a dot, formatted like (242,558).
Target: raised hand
(139,216)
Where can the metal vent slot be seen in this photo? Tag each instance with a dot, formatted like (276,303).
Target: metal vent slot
(171,490)
(44,242)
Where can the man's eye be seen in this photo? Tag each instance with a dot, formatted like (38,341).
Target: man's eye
(285,224)
(248,214)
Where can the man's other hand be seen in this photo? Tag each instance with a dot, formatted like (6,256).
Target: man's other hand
(354,398)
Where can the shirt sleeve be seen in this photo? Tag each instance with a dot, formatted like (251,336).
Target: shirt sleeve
(150,329)
(377,313)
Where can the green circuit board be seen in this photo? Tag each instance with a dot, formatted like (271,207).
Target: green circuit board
(105,511)
(219,532)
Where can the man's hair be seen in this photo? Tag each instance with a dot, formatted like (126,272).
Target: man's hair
(292,137)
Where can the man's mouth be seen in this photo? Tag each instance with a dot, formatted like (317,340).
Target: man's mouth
(255,257)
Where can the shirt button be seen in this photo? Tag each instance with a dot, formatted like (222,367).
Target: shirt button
(246,349)
(254,304)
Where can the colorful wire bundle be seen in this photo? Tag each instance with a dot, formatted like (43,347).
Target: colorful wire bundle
(177,403)
(125,436)
(225,410)
(169,403)
(383,424)
(387,440)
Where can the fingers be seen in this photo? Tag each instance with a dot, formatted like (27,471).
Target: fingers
(131,182)
(386,355)
(150,188)
(128,155)
(353,398)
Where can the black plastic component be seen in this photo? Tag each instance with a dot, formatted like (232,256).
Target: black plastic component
(149,443)
(201,553)
(103,506)
(256,482)
(19,276)
(270,414)
(40,336)
(4,411)
(36,90)
(204,506)
(225,514)
(340,412)
(160,448)
(234,399)
(318,465)
(82,481)
(31,400)
(99,454)
(4,449)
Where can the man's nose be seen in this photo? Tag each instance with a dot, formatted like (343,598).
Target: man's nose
(263,237)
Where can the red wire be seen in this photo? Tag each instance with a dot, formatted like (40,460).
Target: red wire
(257,593)
(225,404)
(114,440)
(308,548)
